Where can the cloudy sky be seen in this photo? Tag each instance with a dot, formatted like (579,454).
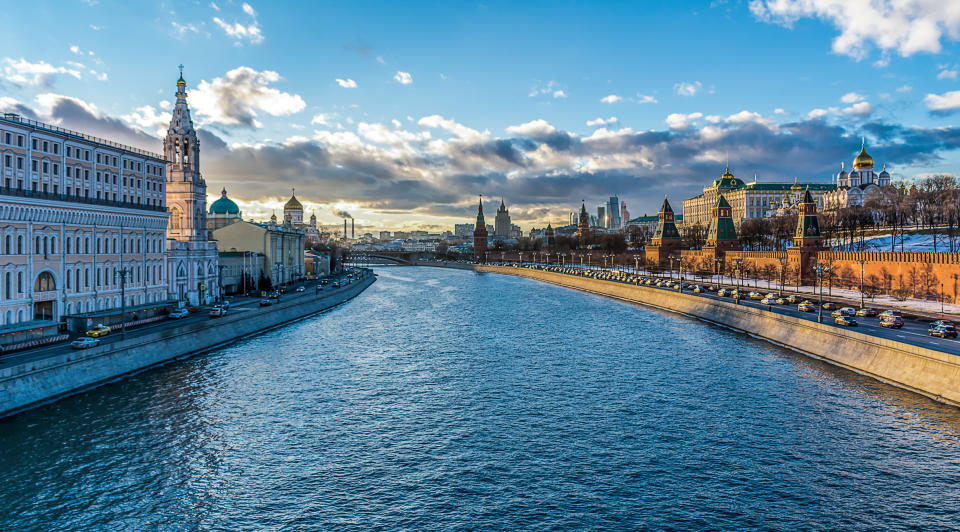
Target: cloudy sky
(400,113)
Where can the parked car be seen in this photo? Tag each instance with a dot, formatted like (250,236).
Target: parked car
(867,313)
(300,289)
(193,310)
(846,321)
(217,312)
(179,313)
(890,313)
(845,311)
(755,295)
(336,284)
(85,342)
(98,331)
(943,331)
(829,306)
(768,301)
(806,307)
(793,299)
(892,322)
(781,301)
(724,292)
(265,302)
(947,323)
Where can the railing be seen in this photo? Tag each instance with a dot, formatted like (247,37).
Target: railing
(11,117)
(24,193)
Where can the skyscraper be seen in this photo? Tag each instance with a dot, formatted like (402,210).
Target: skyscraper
(612,211)
(501,224)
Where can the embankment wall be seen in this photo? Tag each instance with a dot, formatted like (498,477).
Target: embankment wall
(925,371)
(36,382)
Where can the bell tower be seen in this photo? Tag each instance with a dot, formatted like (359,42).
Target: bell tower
(186,190)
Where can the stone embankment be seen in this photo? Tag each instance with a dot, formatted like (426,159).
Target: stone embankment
(921,370)
(36,382)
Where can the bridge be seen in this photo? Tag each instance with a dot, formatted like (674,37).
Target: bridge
(404,258)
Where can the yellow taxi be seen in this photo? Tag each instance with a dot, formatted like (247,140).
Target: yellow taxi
(98,331)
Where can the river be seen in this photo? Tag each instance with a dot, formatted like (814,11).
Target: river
(444,399)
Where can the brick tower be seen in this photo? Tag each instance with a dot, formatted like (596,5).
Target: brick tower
(721,235)
(666,239)
(807,240)
(480,236)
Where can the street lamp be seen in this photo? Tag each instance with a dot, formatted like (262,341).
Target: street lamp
(719,269)
(821,270)
(737,270)
(123,272)
(680,260)
(780,261)
(861,262)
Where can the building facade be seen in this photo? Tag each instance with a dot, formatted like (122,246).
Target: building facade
(83,221)
(240,271)
(748,200)
(281,245)
(501,224)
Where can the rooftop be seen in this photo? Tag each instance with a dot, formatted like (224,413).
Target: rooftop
(68,133)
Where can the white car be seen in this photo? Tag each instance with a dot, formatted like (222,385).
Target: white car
(85,342)
(179,313)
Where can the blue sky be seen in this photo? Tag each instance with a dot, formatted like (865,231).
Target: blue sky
(402,112)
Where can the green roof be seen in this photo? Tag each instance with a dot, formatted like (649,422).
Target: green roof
(224,205)
(721,227)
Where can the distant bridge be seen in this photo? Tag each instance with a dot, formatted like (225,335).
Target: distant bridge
(405,258)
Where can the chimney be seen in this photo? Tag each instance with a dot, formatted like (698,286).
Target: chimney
(353,233)
(344,228)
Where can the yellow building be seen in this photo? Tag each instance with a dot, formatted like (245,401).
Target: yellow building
(280,245)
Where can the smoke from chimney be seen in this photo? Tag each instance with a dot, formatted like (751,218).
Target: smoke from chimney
(344,228)
(353,233)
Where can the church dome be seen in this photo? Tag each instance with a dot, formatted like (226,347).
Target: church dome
(884,172)
(293,203)
(727,180)
(863,159)
(224,205)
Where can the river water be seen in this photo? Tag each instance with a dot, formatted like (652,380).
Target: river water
(444,399)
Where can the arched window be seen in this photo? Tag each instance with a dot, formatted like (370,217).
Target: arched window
(98,245)
(67,242)
(86,281)
(6,244)
(19,244)
(19,282)
(36,248)
(78,280)
(66,278)
(7,288)
(175,219)
(86,245)
(53,245)
(44,283)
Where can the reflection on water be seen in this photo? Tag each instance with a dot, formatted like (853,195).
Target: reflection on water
(448,399)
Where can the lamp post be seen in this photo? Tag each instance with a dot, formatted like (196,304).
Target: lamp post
(718,270)
(636,264)
(123,272)
(780,261)
(862,262)
(737,270)
(671,267)
(680,260)
(821,270)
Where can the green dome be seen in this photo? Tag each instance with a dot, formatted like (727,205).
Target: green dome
(224,205)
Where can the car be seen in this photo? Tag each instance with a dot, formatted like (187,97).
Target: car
(948,323)
(300,289)
(846,321)
(281,290)
(768,301)
(867,313)
(793,299)
(806,307)
(943,331)
(892,322)
(698,289)
(265,302)
(845,311)
(178,313)
(225,304)
(85,342)
(217,312)
(274,295)
(781,301)
(723,292)
(736,294)
(829,306)
(890,313)
(324,282)
(336,284)
(755,295)
(193,310)
(98,331)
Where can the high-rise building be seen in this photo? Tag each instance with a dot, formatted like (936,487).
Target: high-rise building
(601,216)
(624,214)
(191,255)
(612,211)
(501,224)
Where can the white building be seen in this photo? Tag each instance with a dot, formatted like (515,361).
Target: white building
(82,221)
(855,187)
(191,255)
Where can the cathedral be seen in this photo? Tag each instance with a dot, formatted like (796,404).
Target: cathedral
(192,258)
(854,187)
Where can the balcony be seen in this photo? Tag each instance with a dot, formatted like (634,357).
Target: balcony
(36,194)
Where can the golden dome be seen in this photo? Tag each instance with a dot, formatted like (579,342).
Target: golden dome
(796,186)
(293,203)
(863,160)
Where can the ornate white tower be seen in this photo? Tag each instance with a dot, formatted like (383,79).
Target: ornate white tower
(186,190)
(193,260)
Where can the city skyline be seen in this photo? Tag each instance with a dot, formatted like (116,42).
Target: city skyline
(374,123)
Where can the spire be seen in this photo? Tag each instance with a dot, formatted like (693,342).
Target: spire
(223,193)
(480,220)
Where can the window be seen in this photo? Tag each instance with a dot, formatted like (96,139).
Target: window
(67,242)
(19,163)
(20,140)
(68,151)
(19,282)
(98,158)
(33,164)
(44,283)
(46,146)
(6,286)
(34,143)
(86,278)
(6,244)
(56,169)
(6,138)
(66,278)
(69,171)
(19,244)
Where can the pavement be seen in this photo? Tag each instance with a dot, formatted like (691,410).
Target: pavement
(914,331)
(237,304)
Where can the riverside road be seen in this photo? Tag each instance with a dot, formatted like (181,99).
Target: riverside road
(914,331)
(237,304)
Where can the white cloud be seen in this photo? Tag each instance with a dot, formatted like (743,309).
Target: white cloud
(680,121)
(611,98)
(946,103)
(851,97)
(381,60)
(214,6)
(403,78)
(745,116)
(243,32)
(645,98)
(75,49)
(599,121)
(905,88)
(687,89)
(947,74)
(906,26)
(559,94)
(321,119)
(551,88)
(778,111)
(859,109)
(347,83)
(459,130)
(534,128)
(96,28)
(183,29)
(22,72)
(149,119)
(236,98)
(817,113)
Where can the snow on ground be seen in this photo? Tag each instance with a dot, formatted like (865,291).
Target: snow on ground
(911,242)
